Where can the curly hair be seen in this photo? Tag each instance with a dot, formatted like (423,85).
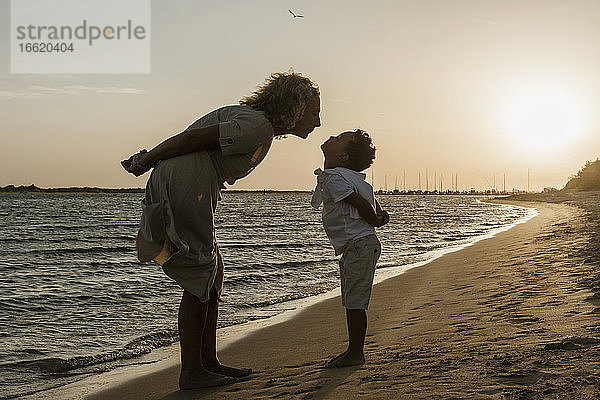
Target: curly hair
(361,151)
(283,98)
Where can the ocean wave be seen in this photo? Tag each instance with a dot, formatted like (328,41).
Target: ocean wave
(83,250)
(253,226)
(280,299)
(135,348)
(269,245)
(284,266)
(64,241)
(85,227)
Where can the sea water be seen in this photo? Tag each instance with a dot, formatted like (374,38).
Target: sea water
(75,301)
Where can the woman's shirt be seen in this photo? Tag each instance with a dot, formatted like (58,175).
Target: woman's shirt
(182,191)
(245,136)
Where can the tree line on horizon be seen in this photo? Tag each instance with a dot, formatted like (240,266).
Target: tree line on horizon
(588,178)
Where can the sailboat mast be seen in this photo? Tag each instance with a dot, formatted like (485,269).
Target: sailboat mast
(372,177)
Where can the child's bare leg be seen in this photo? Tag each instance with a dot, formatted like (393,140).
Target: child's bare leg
(210,359)
(357,329)
(191,321)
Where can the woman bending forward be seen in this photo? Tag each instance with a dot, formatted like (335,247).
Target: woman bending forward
(177,226)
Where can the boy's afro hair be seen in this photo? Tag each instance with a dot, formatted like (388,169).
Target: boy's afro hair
(361,151)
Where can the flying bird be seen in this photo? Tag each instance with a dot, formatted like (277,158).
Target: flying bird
(294,15)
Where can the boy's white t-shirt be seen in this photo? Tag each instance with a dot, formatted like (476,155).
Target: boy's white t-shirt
(342,221)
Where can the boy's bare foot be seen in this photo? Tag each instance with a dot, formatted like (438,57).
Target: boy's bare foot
(219,368)
(203,379)
(336,357)
(346,359)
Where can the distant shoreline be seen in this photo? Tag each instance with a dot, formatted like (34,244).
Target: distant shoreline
(87,189)
(517,195)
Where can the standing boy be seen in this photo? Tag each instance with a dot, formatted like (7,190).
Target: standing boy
(350,213)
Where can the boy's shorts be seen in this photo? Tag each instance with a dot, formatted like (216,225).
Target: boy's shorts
(357,269)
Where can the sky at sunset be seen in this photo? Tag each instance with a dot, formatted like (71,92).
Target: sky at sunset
(481,89)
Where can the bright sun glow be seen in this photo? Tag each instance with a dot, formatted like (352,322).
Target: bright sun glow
(543,120)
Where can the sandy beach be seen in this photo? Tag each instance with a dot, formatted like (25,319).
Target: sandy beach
(514,316)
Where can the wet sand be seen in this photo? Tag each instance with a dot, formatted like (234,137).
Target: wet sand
(514,316)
